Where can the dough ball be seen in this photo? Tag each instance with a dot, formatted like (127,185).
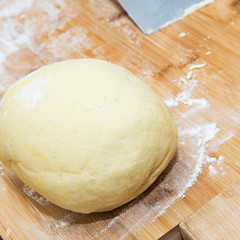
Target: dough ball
(86,134)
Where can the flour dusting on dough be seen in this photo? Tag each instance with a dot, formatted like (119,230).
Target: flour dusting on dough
(33,92)
(96,108)
(4,115)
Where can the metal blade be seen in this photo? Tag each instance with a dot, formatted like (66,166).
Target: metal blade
(151,15)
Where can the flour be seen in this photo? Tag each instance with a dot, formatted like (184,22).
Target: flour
(204,133)
(214,162)
(236,119)
(206,38)
(11,40)
(221,139)
(4,115)
(190,75)
(15,9)
(109,225)
(35,196)
(212,170)
(210,159)
(68,219)
(182,34)
(188,85)
(38,28)
(197,66)
(220,160)
(171,102)
(96,108)
(79,43)
(8,232)
(34,91)
(109,12)
(147,72)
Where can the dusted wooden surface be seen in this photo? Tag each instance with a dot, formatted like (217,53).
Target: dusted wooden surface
(96,28)
(218,219)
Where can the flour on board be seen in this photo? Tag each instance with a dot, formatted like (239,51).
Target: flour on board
(67,219)
(8,232)
(182,34)
(196,66)
(35,196)
(23,26)
(185,97)
(110,13)
(212,170)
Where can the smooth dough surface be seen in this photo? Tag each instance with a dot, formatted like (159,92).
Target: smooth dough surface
(86,134)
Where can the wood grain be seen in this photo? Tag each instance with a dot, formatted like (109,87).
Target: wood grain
(43,32)
(218,219)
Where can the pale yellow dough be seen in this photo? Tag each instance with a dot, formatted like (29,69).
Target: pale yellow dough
(86,134)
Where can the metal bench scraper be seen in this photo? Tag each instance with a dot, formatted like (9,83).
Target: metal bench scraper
(151,15)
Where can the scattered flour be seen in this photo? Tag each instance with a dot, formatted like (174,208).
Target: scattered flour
(220,140)
(3,117)
(189,75)
(96,108)
(196,66)
(214,162)
(212,170)
(188,85)
(147,72)
(16,8)
(68,219)
(8,232)
(38,30)
(182,34)
(171,102)
(35,196)
(109,225)
(210,159)
(110,13)
(33,92)
(206,38)
(220,160)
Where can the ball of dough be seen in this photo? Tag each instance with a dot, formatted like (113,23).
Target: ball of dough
(86,134)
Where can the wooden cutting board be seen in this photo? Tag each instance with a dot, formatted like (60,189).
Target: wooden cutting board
(192,64)
(216,220)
